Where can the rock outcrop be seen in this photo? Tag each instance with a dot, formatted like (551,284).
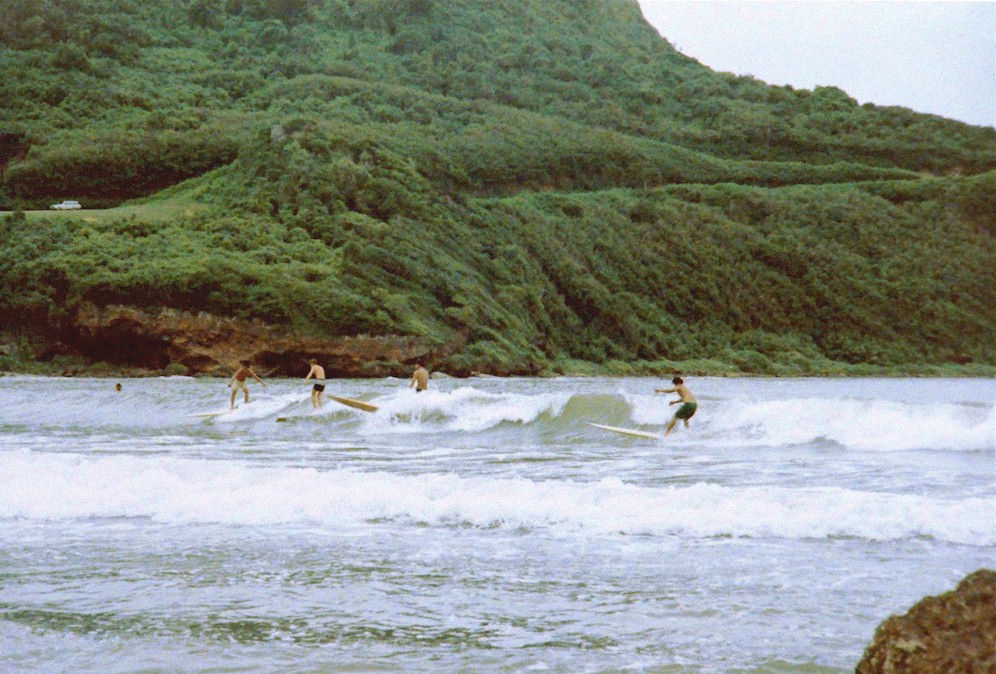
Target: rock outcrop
(952,633)
(206,344)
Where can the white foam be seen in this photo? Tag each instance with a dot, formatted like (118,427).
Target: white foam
(154,402)
(464,409)
(261,407)
(866,425)
(40,485)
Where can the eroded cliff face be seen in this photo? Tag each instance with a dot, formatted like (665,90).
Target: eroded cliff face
(951,633)
(206,344)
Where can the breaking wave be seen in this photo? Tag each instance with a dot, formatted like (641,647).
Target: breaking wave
(167,405)
(56,486)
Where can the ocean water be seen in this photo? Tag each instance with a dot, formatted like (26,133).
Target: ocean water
(482,526)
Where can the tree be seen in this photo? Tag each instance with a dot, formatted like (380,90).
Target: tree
(205,13)
(13,146)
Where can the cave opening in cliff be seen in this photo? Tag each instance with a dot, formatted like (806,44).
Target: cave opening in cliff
(131,351)
(295,363)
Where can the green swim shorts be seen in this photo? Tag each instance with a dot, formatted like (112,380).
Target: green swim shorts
(686,411)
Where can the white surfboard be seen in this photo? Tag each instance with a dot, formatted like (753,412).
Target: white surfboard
(628,431)
(216,413)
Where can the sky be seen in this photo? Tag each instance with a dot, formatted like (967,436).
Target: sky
(934,57)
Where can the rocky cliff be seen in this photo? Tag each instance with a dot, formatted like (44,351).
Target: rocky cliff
(953,633)
(204,344)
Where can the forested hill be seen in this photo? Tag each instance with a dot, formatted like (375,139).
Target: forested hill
(520,184)
(126,72)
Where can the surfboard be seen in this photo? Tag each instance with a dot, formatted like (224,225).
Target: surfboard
(211,414)
(218,413)
(628,431)
(358,404)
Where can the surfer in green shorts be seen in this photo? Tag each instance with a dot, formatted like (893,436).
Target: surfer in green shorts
(687,400)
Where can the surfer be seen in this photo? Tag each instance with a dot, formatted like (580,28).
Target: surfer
(318,372)
(420,378)
(687,400)
(238,381)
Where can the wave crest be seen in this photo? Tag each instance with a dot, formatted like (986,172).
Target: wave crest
(52,486)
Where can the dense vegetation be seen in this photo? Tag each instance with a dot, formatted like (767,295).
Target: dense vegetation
(545,182)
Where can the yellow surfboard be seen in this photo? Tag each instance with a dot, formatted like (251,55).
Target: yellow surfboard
(358,404)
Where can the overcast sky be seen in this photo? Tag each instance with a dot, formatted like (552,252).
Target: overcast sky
(935,57)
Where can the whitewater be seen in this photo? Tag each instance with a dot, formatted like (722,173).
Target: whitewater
(482,525)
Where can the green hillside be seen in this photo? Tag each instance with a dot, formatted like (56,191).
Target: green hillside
(538,184)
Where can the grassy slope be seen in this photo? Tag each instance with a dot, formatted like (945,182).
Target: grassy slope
(387,179)
(151,68)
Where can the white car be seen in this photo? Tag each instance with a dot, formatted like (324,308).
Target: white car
(67,205)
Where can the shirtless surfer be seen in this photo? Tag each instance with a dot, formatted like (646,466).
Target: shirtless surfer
(318,372)
(687,400)
(238,381)
(420,379)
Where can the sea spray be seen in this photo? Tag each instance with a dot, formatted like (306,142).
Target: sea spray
(463,410)
(851,422)
(50,486)
(867,425)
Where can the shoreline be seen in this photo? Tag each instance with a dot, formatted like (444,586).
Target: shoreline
(947,370)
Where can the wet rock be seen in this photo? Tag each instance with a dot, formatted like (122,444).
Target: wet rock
(952,633)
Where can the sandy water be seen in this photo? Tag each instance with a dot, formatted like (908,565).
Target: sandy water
(482,525)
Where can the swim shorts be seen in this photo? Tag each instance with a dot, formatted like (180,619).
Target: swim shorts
(240,385)
(318,387)
(686,411)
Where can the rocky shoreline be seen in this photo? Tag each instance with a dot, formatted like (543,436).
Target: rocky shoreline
(949,633)
(123,341)
(127,341)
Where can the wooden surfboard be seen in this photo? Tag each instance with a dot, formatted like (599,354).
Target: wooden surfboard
(628,431)
(358,404)
(211,414)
